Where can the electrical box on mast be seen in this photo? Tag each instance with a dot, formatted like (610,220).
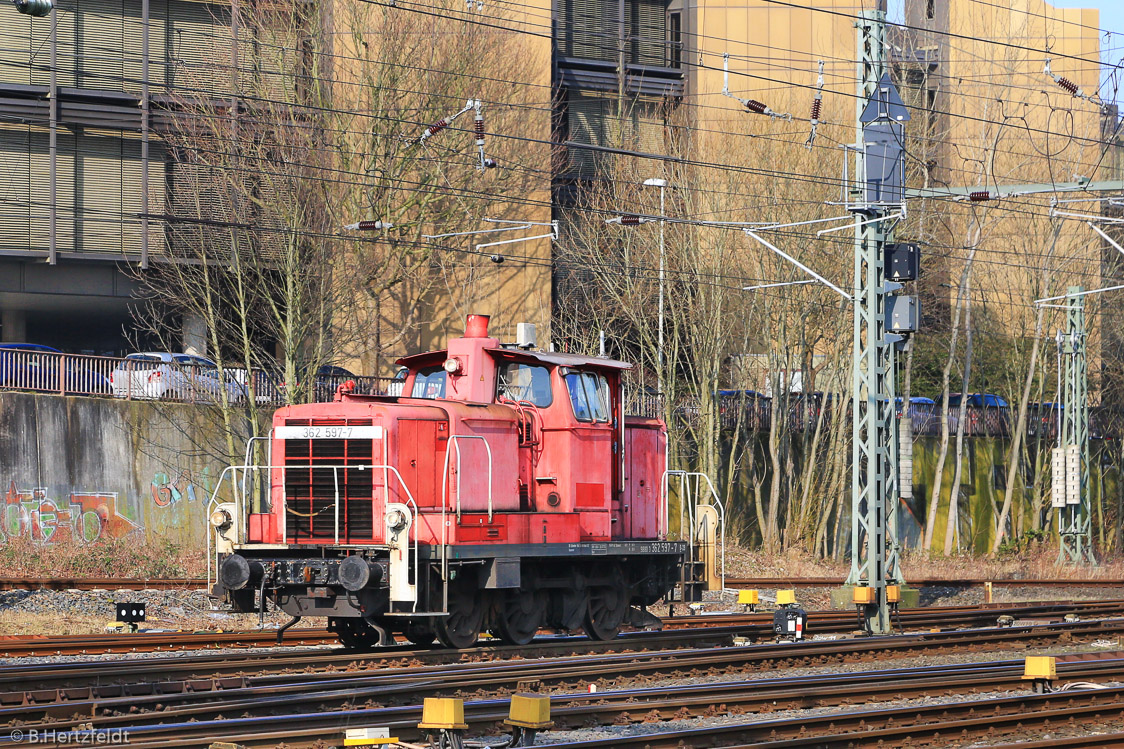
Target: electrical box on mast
(883,145)
(901,313)
(903,261)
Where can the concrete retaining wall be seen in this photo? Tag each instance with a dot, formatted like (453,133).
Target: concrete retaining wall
(73,470)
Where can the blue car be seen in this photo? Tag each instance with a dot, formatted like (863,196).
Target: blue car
(979,400)
(987,414)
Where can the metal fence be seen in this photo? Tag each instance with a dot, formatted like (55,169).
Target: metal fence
(134,379)
(755,413)
(154,379)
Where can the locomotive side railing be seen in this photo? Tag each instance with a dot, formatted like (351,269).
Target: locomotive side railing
(690,499)
(454,445)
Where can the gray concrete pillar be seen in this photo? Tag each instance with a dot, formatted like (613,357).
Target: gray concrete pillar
(13,326)
(194,332)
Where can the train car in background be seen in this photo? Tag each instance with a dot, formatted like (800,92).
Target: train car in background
(504,490)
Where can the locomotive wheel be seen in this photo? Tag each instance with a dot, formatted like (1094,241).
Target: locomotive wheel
(608,606)
(419,633)
(461,627)
(518,617)
(355,633)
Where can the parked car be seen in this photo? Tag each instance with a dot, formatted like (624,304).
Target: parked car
(987,414)
(328,377)
(397,382)
(266,387)
(1043,419)
(922,413)
(32,366)
(161,375)
(755,409)
(979,400)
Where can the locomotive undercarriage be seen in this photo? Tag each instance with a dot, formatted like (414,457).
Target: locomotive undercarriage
(558,588)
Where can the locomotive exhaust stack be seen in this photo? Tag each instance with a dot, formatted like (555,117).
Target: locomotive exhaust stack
(505,489)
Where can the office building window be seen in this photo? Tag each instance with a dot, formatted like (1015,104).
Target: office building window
(675,40)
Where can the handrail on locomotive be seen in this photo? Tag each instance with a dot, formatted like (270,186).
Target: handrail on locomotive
(690,486)
(241,507)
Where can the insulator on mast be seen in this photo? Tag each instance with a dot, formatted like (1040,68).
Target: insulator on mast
(435,128)
(1066,84)
(34,8)
(369,226)
(478,127)
(751,105)
(443,123)
(817,106)
(628,219)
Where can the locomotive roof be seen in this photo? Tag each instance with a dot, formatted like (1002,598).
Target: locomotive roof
(545,357)
(564,360)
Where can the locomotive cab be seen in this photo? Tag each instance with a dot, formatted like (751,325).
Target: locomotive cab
(504,489)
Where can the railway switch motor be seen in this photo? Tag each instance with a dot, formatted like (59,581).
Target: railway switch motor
(749,599)
(443,721)
(1041,670)
(789,621)
(527,715)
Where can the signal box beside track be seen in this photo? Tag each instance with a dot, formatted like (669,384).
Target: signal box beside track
(505,489)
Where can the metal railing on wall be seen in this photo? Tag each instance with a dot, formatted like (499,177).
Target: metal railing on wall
(144,379)
(754,413)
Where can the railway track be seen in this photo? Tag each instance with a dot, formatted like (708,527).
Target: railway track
(298,715)
(198,583)
(946,724)
(755,626)
(95,689)
(929,582)
(100,583)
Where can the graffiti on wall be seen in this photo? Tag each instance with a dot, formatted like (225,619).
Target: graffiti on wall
(166,492)
(82,517)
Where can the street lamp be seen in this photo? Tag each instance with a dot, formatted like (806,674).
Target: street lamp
(662,184)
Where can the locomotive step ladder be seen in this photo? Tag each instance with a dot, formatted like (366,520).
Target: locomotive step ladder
(702,524)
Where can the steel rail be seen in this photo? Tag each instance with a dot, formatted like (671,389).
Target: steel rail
(643,705)
(605,670)
(758,625)
(100,583)
(192,583)
(650,704)
(1085,739)
(783,583)
(919,724)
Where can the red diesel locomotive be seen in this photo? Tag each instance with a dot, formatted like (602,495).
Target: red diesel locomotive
(504,490)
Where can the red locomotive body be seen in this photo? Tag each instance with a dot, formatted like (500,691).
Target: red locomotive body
(504,489)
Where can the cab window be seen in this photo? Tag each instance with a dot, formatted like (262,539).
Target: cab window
(524,383)
(588,396)
(429,383)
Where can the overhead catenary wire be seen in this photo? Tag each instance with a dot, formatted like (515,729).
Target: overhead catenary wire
(717,167)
